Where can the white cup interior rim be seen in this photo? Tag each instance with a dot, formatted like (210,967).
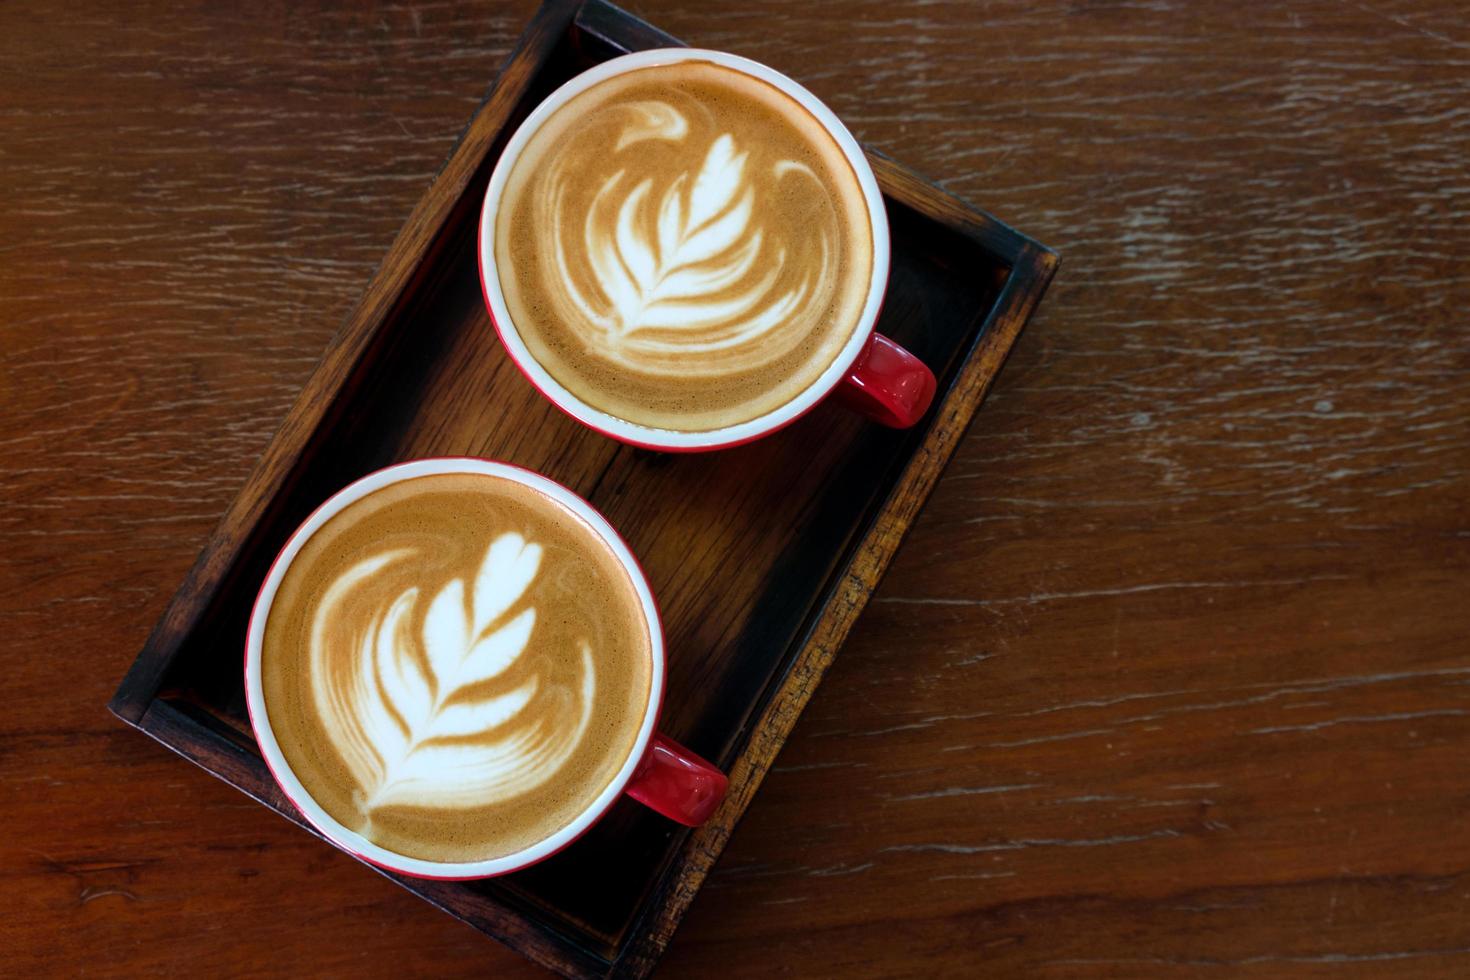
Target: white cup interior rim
(353,842)
(670,438)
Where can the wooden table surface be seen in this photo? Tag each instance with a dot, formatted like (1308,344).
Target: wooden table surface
(1171,679)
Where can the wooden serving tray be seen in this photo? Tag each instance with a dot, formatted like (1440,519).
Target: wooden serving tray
(761,557)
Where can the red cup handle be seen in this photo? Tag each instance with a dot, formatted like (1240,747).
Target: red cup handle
(677,783)
(888,384)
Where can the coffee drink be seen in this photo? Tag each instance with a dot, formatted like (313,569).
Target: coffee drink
(683,246)
(455,666)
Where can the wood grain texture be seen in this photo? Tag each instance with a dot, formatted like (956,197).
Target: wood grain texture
(1172,676)
(762,557)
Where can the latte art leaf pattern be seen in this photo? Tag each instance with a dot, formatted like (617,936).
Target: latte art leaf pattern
(424,710)
(684,246)
(686,268)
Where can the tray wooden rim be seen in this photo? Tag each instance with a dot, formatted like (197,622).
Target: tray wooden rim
(137,702)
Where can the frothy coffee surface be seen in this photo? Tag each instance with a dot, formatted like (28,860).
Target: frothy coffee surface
(684,247)
(455,666)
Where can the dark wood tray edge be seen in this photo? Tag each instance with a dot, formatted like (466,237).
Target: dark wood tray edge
(1033,271)
(177,730)
(136,700)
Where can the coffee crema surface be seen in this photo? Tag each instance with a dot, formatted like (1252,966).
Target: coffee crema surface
(455,666)
(683,246)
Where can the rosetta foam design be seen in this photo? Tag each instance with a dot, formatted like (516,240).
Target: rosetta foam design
(456,666)
(396,704)
(692,287)
(684,247)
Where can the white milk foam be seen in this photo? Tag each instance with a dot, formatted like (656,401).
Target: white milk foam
(402,726)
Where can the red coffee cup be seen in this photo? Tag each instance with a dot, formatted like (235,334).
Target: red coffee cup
(871,374)
(658,772)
